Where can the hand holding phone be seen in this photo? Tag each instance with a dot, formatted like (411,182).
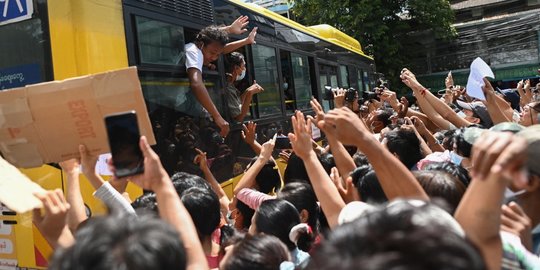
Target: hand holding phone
(124,136)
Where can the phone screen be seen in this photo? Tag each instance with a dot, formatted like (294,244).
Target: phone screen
(124,136)
(283,143)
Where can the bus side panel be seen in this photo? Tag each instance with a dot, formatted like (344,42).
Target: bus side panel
(86,37)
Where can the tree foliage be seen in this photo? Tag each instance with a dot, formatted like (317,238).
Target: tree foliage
(384,27)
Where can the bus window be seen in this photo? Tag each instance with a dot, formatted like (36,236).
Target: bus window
(302,81)
(25,54)
(160,43)
(288,87)
(323,79)
(366,81)
(266,75)
(344,74)
(361,86)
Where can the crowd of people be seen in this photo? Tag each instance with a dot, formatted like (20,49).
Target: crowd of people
(445,182)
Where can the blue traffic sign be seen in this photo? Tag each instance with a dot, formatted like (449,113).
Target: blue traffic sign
(20,76)
(15,10)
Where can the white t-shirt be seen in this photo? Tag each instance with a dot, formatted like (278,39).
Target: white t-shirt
(194,57)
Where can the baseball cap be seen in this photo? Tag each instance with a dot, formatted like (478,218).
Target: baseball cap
(511,96)
(507,127)
(479,110)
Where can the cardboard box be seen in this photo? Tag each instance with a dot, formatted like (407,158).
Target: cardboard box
(46,122)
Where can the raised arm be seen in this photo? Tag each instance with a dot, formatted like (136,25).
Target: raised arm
(431,102)
(104,190)
(200,92)
(254,89)
(248,179)
(209,177)
(53,223)
(344,161)
(77,212)
(170,207)
(421,94)
(498,158)
(349,129)
(248,134)
(495,112)
(233,46)
(325,190)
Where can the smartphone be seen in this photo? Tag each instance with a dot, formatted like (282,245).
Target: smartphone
(283,143)
(124,137)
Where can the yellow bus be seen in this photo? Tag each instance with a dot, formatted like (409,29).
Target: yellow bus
(44,40)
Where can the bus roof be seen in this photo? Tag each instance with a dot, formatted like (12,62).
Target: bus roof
(322,31)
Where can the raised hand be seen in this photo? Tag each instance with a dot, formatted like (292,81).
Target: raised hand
(348,192)
(500,154)
(249,132)
(409,79)
(339,97)
(53,223)
(88,161)
(301,139)
(239,25)
(346,125)
(251,38)
(268,148)
(70,166)
(201,159)
(154,174)
(515,221)
(255,88)
(449,81)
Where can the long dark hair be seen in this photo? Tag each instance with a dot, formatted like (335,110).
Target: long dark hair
(277,217)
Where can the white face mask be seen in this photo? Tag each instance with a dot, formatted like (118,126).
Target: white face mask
(285,86)
(241,76)
(455,158)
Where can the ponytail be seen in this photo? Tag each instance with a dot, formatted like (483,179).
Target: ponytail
(302,236)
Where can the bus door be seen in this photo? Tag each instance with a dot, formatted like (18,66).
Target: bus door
(328,76)
(296,81)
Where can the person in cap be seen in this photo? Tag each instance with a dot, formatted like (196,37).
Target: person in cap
(530,114)
(476,112)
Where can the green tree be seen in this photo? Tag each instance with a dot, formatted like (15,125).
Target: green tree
(385,28)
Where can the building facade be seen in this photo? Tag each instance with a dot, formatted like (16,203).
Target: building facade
(504,33)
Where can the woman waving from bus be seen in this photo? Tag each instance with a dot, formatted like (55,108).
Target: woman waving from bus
(238,102)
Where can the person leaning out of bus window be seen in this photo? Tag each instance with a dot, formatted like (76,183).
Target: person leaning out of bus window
(209,44)
(238,103)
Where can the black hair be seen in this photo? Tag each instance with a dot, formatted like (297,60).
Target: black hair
(439,184)
(122,243)
(462,147)
(277,217)
(456,170)
(212,33)
(204,208)
(384,115)
(360,159)
(327,161)
(183,181)
(246,212)
(392,238)
(146,202)
(406,145)
(302,196)
(448,139)
(262,252)
(268,178)
(296,170)
(367,184)
(232,60)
